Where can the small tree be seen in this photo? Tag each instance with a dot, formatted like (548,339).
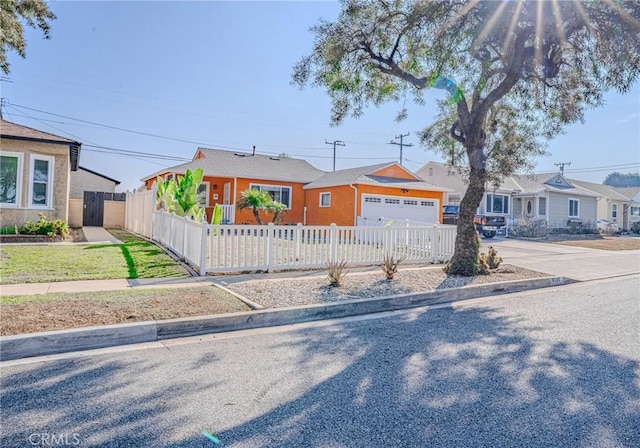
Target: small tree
(516,73)
(255,200)
(278,209)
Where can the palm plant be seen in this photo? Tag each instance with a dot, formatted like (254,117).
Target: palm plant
(255,200)
(278,209)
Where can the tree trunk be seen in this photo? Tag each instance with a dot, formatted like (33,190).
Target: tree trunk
(256,214)
(465,257)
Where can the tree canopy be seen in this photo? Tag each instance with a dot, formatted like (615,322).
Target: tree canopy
(34,13)
(617,179)
(516,71)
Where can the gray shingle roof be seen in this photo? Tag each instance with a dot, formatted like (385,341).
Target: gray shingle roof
(9,129)
(602,190)
(448,176)
(362,175)
(222,163)
(628,192)
(535,183)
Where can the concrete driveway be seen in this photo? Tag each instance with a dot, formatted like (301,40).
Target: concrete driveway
(578,263)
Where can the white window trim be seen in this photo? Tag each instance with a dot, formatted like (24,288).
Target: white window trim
(320,198)
(51,170)
(19,181)
(258,186)
(614,211)
(569,207)
(490,209)
(207,197)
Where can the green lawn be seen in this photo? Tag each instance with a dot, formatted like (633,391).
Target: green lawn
(135,258)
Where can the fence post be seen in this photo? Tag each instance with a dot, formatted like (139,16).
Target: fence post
(184,237)
(270,243)
(203,249)
(333,243)
(298,242)
(435,244)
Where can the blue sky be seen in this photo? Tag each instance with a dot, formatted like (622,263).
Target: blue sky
(218,74)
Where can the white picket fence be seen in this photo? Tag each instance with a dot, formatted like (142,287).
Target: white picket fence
(138,211)
(237,248)
(234,248)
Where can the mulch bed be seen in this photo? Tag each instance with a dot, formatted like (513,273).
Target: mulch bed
(76,235)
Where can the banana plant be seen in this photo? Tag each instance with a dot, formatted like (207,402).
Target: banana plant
(180,196)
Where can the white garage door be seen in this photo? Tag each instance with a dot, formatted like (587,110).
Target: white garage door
(375,207)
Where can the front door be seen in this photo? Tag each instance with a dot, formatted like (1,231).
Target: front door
(93,212)
(226,194)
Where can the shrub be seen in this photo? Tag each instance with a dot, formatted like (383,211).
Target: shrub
(529,228)
(390,265)
(492,258)
(9,230)
(45,227)
(336,272)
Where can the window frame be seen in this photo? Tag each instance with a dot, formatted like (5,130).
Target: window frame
(636,209)
(542,207)
(489,204)
(50,178)
(324,194)
(207,192)
(274,187)
(19,177)
(577,201)
(614,211)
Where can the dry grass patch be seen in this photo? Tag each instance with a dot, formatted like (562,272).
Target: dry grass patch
(606,243)
(48,312)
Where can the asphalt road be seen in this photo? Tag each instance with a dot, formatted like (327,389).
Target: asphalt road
(551,368)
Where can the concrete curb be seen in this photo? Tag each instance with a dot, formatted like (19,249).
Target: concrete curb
(54,342)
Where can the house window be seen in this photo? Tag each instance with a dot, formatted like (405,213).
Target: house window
(10,178)
(203,194)
(574,208)
(542,206)
(614,211)
(635,211)
(325,199)
(277,192)
(40,181)
(497,203)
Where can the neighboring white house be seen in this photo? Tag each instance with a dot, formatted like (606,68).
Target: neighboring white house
(550,197)
(631,214)
(611,204)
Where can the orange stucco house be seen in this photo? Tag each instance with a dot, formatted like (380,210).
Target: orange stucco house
(313,197)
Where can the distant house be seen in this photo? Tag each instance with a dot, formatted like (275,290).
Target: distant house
(93,201)
(35,169)
(631,214)
(84,179)
(312,196)
(612,205)
(550,197)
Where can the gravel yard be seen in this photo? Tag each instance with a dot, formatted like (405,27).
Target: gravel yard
(275,293)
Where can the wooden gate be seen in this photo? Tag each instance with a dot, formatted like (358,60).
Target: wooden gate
(93,213)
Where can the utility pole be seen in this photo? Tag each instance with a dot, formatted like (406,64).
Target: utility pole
(401,144)
(335,143)
(561,165)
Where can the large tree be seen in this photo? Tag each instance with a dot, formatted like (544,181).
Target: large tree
(617,179)
(34,13)
(517,72)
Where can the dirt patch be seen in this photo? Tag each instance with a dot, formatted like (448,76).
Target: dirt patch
(48,312)
(606,243)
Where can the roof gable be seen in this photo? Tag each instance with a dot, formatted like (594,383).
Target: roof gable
(14,130)
(394,171)
(558,181)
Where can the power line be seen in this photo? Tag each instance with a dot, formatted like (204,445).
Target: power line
(561,165)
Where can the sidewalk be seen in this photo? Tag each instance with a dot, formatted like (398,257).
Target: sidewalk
(99,235)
